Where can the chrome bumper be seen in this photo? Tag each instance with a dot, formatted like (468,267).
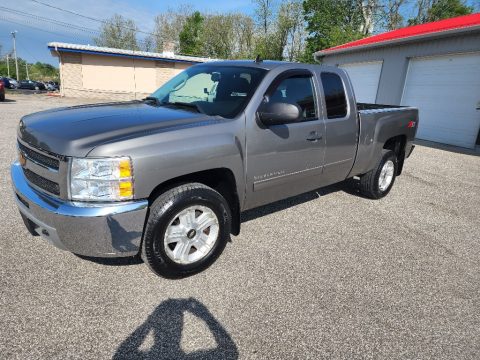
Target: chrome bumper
(90,229)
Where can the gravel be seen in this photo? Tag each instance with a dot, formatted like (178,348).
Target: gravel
(328,274)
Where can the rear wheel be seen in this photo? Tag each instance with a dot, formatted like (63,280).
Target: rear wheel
(187,229)
(2,97)
(378,182)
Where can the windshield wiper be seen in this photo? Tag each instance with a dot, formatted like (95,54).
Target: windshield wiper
(184,104)
(152,98)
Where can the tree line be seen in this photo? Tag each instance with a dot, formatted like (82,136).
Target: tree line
(36,71)
(278,29)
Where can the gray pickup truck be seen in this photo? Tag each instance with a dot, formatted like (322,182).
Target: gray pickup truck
(166,178)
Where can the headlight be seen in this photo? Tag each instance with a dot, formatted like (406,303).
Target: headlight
(108,179)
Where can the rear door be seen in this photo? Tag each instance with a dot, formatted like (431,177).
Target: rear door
(285,160)
(341,125)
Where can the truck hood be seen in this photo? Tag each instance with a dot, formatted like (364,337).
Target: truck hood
(76,130)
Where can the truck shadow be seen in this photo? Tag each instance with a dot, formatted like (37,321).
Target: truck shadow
(159,337)
(349,186)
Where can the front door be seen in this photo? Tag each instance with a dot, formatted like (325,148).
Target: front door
(286,160)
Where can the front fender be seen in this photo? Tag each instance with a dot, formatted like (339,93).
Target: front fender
(160,157)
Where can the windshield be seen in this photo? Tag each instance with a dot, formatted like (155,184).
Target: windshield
(212,90)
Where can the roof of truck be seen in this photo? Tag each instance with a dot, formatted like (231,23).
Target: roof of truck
(263,64)
(411,33)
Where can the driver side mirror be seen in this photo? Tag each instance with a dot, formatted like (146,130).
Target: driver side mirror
(278,113)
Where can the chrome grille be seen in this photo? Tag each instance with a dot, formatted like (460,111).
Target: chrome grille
(44,170)
(39,158)
(44,184)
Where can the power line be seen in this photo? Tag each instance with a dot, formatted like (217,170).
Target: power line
(77,35)
(56,22)
(27,24)
(91,18)
(52,21)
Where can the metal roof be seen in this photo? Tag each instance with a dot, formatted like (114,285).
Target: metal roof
(410,33)
(97,50)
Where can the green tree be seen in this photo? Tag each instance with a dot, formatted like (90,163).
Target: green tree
(227,36)
(168,26)
(38,71)
(445,9)
(190,36)
(291,29)
(434,10)
(331,23)
(118,32)
(264,13)
(280,32)
(392,14)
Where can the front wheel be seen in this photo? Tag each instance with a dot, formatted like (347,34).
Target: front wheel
(187,230)
(378,182)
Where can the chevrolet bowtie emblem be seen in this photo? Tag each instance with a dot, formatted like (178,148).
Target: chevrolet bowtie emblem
(21,158)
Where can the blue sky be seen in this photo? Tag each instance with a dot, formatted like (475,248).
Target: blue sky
(34,34)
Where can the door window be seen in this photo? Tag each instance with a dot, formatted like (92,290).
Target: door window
(297,90)
(335,98)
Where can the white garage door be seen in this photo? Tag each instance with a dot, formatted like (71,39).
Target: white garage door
(446,89)
(365,77)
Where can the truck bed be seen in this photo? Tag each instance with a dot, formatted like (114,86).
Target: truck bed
(378,123)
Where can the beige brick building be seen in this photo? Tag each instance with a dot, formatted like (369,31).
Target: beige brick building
(96,72)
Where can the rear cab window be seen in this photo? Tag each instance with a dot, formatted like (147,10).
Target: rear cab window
(335,98)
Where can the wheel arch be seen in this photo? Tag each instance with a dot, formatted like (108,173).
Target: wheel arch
(219,179)
(397,144)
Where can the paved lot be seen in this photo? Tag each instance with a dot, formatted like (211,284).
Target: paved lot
(322,275)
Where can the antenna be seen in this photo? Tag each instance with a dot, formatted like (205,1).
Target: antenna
(258,59)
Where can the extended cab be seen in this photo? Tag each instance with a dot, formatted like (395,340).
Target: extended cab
(167,177)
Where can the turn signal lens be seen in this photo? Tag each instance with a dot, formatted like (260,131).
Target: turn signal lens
(126,189)
(125,168)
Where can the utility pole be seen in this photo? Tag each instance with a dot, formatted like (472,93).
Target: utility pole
(15,53)
(26,67)
(8,65)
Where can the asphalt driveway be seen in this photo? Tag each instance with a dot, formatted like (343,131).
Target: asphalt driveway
(328,274)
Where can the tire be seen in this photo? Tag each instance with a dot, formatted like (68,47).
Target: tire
(169,212)
(371,183)
(2,97)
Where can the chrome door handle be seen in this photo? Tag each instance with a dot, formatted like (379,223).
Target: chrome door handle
(314,136)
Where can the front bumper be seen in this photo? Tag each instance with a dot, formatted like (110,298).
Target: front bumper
(89,229)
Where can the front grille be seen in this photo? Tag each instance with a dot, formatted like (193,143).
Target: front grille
(41,182)
(40,158)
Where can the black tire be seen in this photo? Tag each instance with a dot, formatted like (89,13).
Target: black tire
(162,213)
(2,97)
(369,182)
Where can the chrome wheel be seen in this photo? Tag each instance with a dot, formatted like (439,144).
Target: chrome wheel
(386,175)
(191,234)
